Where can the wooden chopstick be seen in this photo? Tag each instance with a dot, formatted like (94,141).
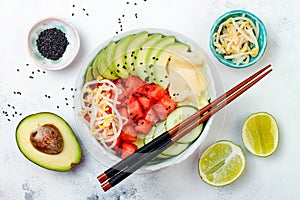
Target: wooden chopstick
(164,137)
(124,168)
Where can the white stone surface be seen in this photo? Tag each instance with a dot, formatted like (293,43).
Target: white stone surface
(275,177)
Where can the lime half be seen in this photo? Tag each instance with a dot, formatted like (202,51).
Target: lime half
(260,134)
(221,163)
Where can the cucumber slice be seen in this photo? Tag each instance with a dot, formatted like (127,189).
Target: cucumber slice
(139,140)
(160,129)
(162,156)
(149,136)
(180,114)
(175,149)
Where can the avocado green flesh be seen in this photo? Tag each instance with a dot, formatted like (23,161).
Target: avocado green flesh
(140,68)
(63,161)
(89,74)
(103,67)
(152,52)
(108,64)
(134,55)
(132,47)
(119,57)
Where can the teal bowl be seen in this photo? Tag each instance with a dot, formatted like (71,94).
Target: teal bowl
(262,39)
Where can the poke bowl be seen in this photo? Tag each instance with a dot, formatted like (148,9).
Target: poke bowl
(135,86)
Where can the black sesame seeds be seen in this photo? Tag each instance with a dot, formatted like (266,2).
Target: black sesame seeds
(52,43)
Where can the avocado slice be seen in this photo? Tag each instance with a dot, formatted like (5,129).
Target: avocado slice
(131,50)
(106,62)
(159,66)
(95,65)
(89,74)
(119,57)
(139,61)
(103,67)
(36,131)
(152,52)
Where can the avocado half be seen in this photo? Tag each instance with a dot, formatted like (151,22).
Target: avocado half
(47,140)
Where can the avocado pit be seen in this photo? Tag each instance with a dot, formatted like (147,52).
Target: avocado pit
(47,139)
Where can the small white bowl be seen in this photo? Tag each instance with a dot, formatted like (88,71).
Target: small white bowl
(70,52)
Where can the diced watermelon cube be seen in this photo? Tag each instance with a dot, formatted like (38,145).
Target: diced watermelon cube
(131,83)
(156,91)
(128,149)
(161,111)
(143,126)
(135,110)
(128,134)
(152,116)
(145,102)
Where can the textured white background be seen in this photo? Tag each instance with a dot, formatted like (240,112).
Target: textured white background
(276,177)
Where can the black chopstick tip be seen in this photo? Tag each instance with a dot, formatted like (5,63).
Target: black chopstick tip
(102,177)
(106,186)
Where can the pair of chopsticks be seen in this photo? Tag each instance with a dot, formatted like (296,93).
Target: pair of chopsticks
(126,167)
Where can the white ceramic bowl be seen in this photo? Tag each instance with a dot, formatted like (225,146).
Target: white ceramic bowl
(70,52)
(93,146)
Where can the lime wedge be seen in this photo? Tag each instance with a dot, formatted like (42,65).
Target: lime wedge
(221,163)
(260,134)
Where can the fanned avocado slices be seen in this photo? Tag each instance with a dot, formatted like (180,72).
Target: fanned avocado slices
(142,54)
